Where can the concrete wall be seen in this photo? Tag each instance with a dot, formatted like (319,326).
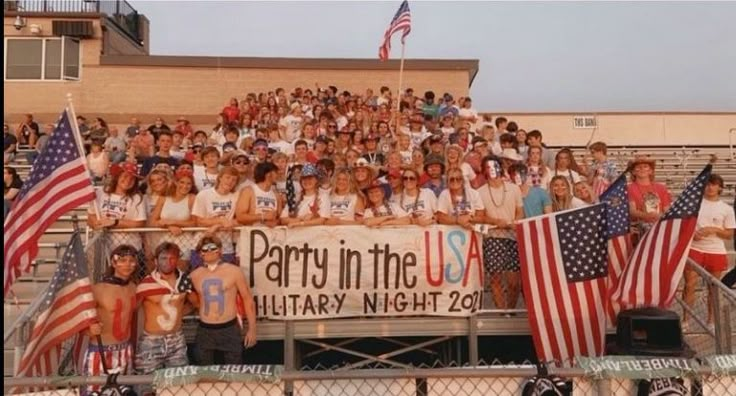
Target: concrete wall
(119,92)
(633,128)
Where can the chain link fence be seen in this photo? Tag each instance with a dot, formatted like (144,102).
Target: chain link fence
(101,243)
(505,380)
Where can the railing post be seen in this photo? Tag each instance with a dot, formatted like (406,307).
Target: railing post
(473,340)
(716,309)
(20,341)
(604,387)
(289,355)
(727,330)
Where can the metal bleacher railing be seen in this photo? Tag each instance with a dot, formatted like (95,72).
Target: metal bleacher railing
(120,12)
(449,378)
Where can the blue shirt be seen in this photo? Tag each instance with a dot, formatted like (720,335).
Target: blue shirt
(535,201)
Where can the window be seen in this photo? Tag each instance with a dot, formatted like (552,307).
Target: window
(42,59)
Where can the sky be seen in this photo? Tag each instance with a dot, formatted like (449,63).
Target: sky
(534,56)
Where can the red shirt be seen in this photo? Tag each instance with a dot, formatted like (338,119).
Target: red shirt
(653,198)
(232,114)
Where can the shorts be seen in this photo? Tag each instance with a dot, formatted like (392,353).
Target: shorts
(219,337)
(712,262)
(160,351)
(119,358)
(500,255)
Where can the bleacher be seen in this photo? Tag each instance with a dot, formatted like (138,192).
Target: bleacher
(675,167)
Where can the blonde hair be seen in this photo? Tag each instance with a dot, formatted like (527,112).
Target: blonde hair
(564,203)
(351,183)
(228,170)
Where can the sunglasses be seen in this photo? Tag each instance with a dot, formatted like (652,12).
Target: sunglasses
(210,247)
(331,126)
(409,178)
(455,179)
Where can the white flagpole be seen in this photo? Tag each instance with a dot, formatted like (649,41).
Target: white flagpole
(80,145)
(398,93)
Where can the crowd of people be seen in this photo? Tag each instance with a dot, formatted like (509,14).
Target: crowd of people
(323,157)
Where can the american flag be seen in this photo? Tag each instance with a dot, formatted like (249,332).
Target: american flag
(564,270)
(58,183)
(67,308)
(655,267)
(401,21)
(616,198)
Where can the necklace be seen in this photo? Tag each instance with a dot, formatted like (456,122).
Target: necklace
(493,199)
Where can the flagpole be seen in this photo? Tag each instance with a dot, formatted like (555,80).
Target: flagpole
(398,93)
(80,146)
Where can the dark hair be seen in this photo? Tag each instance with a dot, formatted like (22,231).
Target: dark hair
(507,138)
(429,95)
(384,89)
(499,121)
(534,134)
(598,146)
(512,127)
(16,176)
(208,239)
(233,129)
(102,122)
(165,132)
(167,247)
(262,169)
(328,164)
(300,142)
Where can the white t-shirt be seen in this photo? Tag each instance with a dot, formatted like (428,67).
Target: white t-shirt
(459,205)
(425,203)
(118,207)
(572,176)
(293,127)
(382,210)
(578,203)
(406,157)
(210,204)
(305,207)
(713,214)
(282,146)
(343,206)
(202,179)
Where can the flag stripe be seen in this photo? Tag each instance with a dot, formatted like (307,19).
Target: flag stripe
(401,21)
(565,291)
(652,273)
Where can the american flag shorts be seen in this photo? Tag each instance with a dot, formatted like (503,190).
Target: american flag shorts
(119,358)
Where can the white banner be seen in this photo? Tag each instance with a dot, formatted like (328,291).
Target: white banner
(342,271)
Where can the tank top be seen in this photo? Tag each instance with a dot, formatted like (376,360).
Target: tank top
(97,165)
(265,200)
(176,210)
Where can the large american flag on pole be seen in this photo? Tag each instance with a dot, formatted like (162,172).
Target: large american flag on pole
(564,267)
(616,198)
(655,267)
(58,183)
(67,308)
(401,21)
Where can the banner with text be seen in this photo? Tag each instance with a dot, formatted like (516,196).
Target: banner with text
(342,271)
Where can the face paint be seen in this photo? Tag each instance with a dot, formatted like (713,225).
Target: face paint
(493,169)
(520,177)
(166,262)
